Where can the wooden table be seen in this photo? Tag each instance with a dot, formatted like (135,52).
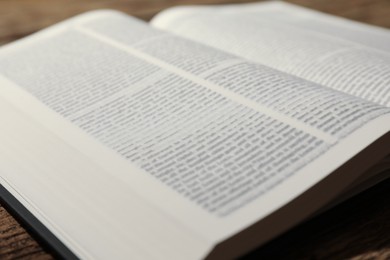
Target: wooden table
(356,229)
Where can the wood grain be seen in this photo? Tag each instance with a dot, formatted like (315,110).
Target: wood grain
(15,242)
(357,229)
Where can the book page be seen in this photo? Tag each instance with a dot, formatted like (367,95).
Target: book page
(212,137)
(334,52)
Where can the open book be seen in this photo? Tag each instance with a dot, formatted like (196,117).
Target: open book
(201,135)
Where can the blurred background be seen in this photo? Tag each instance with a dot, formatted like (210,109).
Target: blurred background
(22,17)
(357,229)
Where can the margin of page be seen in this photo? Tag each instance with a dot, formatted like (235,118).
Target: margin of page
(173,205)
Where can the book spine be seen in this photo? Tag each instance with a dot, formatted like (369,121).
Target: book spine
(34,226)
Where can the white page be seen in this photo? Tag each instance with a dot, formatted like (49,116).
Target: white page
(344,55)
(212,142)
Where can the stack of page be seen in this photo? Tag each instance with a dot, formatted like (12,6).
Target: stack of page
(203,134)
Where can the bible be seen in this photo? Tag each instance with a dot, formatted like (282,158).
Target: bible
(201,135)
